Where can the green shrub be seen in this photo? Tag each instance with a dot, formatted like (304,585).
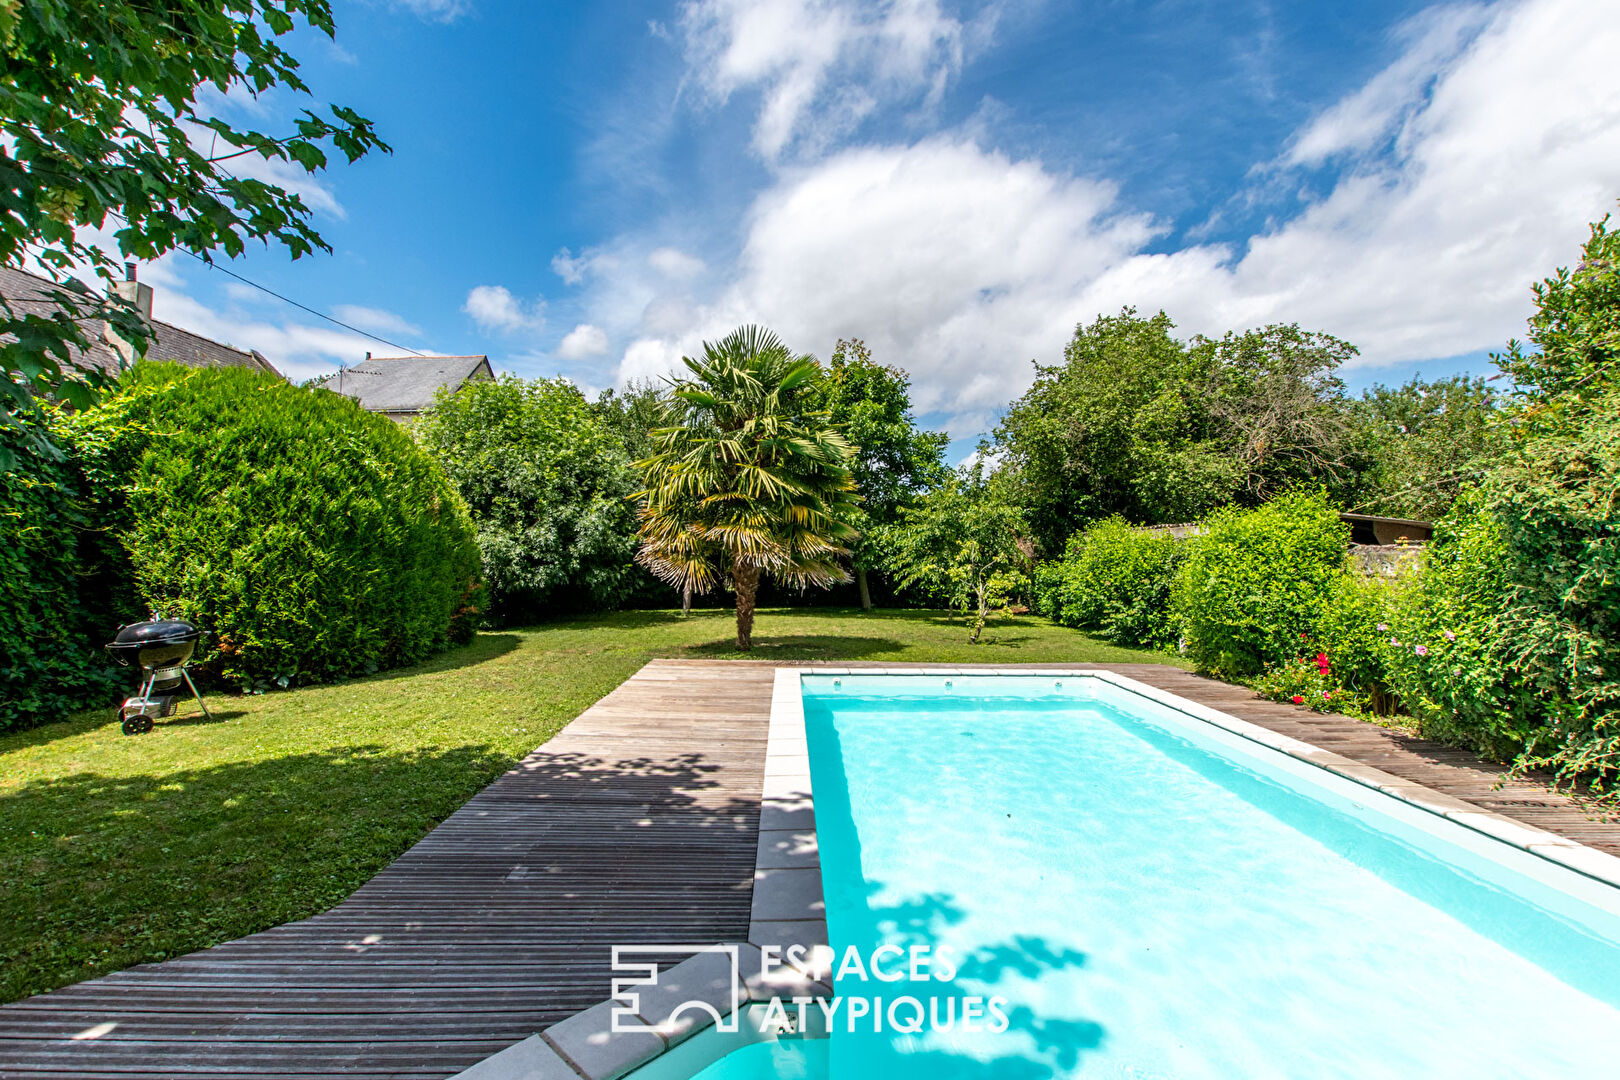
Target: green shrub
(1251,588)
(1558,506)
(52,617)
(1352,630)
(310,539)
(1115,579)
(1557,501)
(1449,645)
(546,481)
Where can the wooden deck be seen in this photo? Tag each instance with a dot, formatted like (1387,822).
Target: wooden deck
(635,823)
(1453,772)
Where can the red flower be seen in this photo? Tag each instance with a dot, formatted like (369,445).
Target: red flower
(1322,663)
(1299,699)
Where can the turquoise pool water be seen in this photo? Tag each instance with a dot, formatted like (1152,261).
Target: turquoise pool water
(804,1059)
(1155,898)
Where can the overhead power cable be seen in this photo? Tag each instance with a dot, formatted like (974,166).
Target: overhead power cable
(302,307)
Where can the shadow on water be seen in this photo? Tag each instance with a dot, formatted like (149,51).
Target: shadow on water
(1034,1046)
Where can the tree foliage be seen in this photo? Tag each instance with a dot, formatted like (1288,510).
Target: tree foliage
(962,544)
(748,477)
(1426,443)
(547,482)
(895,462)
(1556,498)
(104,117)
(1135,422)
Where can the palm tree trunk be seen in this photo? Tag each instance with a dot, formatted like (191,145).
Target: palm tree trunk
(866,593)
(745,576)
(686,599)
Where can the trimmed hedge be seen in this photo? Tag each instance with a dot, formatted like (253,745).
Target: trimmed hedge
(309,539)
(1252,587)
(53,617)
(1114,578)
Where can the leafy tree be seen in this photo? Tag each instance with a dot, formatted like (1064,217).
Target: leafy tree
(749,468)
(894,460)
(100,119)
(963,544)
(1139,424)
(634,413)
(1277,409)
(547,483)
(1120,427)
(1427,442)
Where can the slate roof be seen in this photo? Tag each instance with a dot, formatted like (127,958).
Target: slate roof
(405,384)
(30,294)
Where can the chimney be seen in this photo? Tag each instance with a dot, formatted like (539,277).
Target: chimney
(140,297)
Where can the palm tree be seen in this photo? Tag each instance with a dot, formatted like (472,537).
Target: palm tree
(746,474)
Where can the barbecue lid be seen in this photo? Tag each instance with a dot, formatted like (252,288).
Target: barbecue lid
(156,632)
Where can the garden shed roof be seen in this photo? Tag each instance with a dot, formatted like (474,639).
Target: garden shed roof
(405,384)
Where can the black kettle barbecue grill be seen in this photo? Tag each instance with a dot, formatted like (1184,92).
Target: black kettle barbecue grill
(161,648)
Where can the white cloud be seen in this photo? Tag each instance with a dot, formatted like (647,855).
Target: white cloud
(822,66)
(435,10)
(493,307)
(955,261)
(674,263)
(1498,164)
(574,269)
(376,320)
(1469,169)
(1434,39)
(582,342)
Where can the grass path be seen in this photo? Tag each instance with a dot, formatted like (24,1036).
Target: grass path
(115,850)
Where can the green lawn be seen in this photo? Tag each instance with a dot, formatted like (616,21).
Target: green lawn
(115,850)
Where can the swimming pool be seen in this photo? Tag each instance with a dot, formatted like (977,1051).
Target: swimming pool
(1153,896)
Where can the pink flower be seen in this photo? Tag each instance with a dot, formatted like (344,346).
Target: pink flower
(1383,626)
(1327,695)
(1421,650)
(1448,635)
(1394,641)
(1298,699)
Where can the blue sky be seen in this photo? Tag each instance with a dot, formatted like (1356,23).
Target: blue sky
(592,189)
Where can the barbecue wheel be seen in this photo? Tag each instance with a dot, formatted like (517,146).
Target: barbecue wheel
(137,725)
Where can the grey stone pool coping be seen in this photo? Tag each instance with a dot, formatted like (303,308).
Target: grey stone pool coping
(788,906)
